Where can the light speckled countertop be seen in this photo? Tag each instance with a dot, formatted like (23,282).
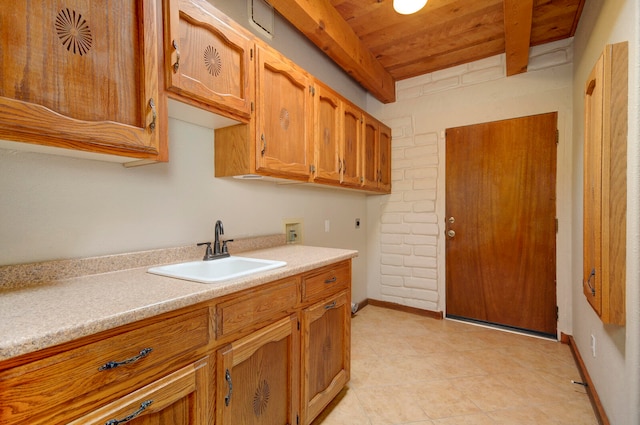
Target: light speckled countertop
(58,311)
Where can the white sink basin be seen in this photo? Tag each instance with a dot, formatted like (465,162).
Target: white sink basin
(216,270)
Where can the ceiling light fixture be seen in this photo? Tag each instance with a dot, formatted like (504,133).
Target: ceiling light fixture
(407,7)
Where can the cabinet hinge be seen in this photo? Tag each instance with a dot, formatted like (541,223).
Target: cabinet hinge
(252,107)
(312,90)
(312,168)
(298,325)
(250,54)
(297,419)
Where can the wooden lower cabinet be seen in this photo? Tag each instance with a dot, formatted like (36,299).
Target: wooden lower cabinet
(326,341)
(178,399)
(275,354)
(257,377)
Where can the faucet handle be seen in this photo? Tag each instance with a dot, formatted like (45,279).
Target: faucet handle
(224,246)
(208,255)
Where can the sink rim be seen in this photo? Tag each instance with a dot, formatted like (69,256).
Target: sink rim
(174,270)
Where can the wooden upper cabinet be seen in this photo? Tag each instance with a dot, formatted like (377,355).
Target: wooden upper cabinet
(384,159)
(337,139)
(377,155)
(83,76)
(284,120)
(352,143)
(327,126)
(605,184)
(208,58)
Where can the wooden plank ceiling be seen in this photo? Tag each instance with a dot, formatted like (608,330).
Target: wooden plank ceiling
(378,46)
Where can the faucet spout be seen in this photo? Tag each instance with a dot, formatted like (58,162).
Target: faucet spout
(219,230)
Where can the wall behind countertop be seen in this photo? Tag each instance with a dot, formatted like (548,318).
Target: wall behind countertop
(55,207)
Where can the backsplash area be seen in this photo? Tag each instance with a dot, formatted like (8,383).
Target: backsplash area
(31,274)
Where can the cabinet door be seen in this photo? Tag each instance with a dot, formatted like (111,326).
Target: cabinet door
(328,161)
(326,353)
(605,184)
(351,145)
(82,76)
(177,399)
(207,59)
(384,159)
(284,118)
(371,149)
(258,377)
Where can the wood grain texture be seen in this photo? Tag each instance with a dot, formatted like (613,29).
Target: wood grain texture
(500,191)
(518,15)
(605,184)
(80,78)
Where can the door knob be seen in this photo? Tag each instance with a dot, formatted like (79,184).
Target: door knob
(451,233)
(451,220)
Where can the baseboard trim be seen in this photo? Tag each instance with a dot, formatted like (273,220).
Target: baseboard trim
(584,374)
(393,306)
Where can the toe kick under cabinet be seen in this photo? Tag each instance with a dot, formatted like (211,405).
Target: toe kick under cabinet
(273,354)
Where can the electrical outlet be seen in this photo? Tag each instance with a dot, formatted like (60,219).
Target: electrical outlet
(593,345)
(327,225)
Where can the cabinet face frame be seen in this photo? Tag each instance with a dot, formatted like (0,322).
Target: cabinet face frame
(604,204)
(220,74)
(23,121)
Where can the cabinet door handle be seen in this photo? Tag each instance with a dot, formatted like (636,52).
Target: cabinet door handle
(332,280)
(142,408)
(591,275)
(330,306)
(154,114)
(227,377)
(176,65)
(113,364)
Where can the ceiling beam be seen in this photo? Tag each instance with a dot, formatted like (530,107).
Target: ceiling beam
(321,23)
(518,15)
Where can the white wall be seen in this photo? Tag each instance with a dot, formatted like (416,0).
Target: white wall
(615,369)
(406,243)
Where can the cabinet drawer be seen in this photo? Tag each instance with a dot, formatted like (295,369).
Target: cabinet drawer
(256,307)
(327,280)
(80,379)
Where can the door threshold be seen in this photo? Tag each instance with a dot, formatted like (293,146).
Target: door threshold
(505,328)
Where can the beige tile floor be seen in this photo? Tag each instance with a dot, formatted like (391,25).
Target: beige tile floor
(410,369)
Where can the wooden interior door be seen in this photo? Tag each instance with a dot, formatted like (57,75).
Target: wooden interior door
(500,223)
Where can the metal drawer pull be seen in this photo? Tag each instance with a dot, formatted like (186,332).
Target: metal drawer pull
(330,306)
(333,279)
(227,398)
(592,275)
(112,365)
(143,407)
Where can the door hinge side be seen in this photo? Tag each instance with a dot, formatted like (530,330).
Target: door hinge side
(557,313)
(557,136)
(557,226)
